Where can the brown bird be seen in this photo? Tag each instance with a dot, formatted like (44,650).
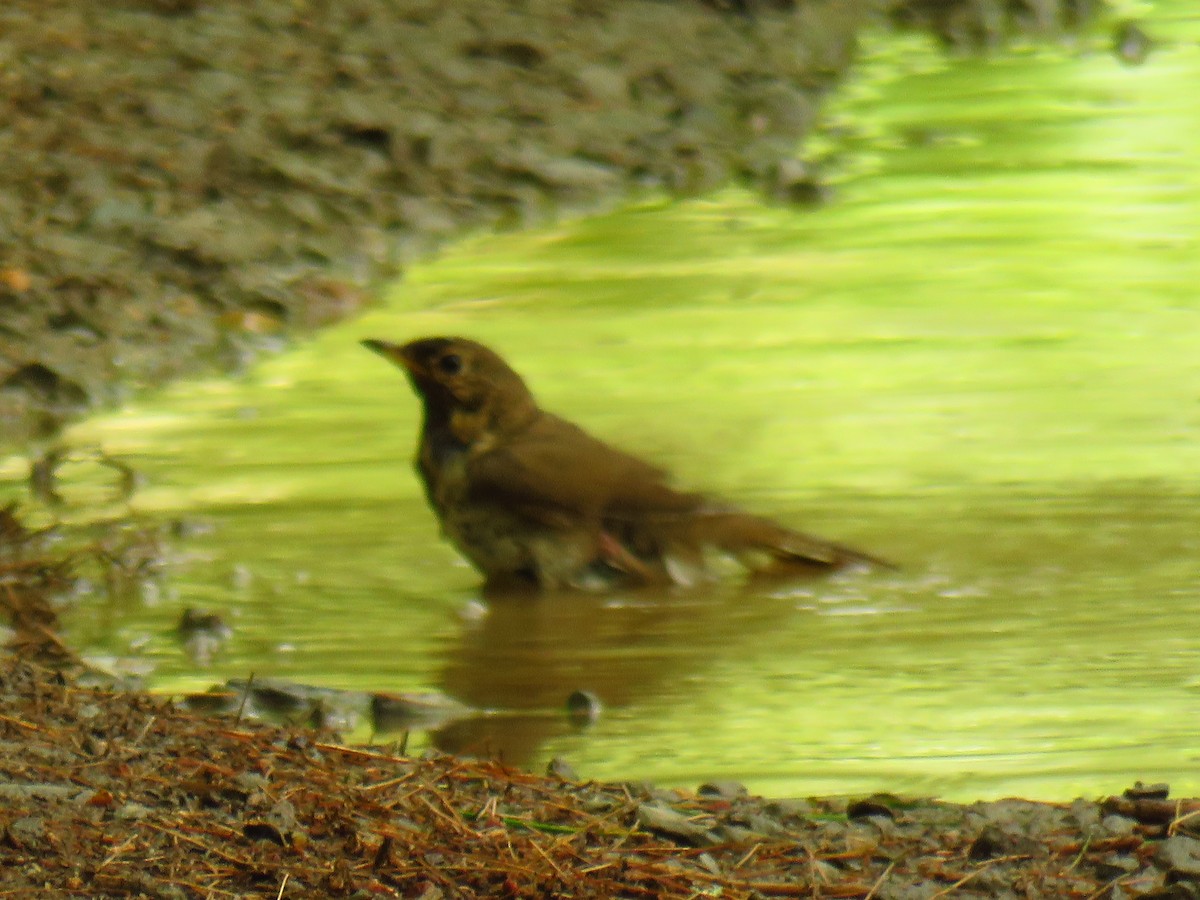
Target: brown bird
(531,499)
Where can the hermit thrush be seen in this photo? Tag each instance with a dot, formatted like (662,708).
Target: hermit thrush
(531,499)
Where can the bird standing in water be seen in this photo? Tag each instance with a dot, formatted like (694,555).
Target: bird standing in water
(532,500)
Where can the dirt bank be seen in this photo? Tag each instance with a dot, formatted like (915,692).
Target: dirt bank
(182,182)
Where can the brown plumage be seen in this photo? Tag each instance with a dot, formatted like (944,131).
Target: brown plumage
(530,498)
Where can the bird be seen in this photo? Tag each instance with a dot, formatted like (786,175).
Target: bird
(535,502)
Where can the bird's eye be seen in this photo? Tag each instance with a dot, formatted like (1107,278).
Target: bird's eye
(451,363)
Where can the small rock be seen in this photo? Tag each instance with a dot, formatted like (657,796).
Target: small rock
(88,711)
(600,803)
(251,782)
(416,710)
(1140,791)
(283,816)
(561,769)
(790,809)
(131,811)
(737,834)
(869,808)
(1118,826)
(674,824)
(1180,855)
(583,708)
(765,826)
(724,790)
(995,841)
(1114,865)
(709,864)
(1086,814)
(24,791)
(1131,45)
(94,746)
(26,830)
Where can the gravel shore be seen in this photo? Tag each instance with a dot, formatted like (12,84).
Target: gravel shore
(123,795)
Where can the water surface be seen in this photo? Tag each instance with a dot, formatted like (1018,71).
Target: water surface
(981,360)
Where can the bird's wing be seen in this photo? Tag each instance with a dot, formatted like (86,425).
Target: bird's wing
(557,475)
(553,469)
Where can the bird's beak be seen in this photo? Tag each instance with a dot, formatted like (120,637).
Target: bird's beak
(397,353)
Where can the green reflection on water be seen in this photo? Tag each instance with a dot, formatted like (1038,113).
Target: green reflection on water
(981,360)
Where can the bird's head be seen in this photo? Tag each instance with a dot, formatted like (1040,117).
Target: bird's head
(461,382)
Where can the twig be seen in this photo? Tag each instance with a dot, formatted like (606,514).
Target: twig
(121,848)
(1111,883)
(746,857)
(361,754)
(546,857)
(453,821)
(145,730)
(20,723)
(380,785)
(1087,843)
(237,720)
(243,863)
(488,811)
(1178,820)
(882,878)
(978,871)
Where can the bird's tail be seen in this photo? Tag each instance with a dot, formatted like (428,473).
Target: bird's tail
(763,546)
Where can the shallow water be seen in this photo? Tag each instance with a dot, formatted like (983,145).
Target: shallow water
(981,360)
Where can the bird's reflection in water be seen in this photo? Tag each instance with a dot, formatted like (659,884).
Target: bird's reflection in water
(527,655)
